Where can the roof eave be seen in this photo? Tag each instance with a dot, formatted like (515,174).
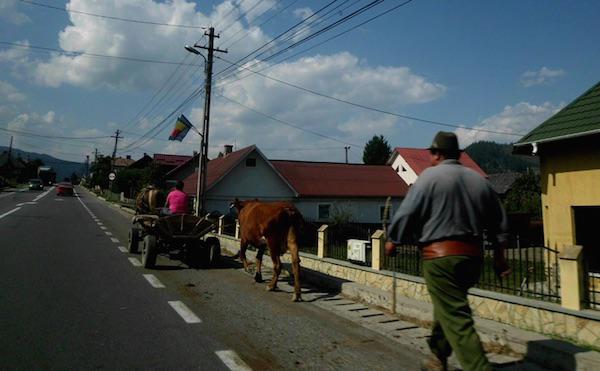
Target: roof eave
(555,139)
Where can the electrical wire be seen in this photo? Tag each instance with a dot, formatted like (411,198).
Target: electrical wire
(286,122)
(94,55)
(110,17)
(365,107)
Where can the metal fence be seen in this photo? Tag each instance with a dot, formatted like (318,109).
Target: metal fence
(308,236)
(592,286)
(407,260)
(534,271)
(339,234)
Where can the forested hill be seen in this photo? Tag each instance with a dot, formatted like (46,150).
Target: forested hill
(494,158)
(63,168)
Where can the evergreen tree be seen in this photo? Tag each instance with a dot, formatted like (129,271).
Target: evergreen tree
(377,151)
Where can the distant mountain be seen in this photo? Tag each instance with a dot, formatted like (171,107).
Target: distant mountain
(63,168)
(494,158)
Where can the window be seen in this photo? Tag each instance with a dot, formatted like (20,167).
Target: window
(250,162)
(324,211)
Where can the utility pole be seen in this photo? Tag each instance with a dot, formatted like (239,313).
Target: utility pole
(201,203)
(87,166)
(10,148)
(95,154)
(117,137)
(347,148)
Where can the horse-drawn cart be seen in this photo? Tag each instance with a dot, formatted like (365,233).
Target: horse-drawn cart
(180,234)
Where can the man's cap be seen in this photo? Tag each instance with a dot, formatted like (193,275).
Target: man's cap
(445,141)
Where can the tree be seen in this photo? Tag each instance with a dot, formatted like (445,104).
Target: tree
(525,196)
(377,151)
(100,170)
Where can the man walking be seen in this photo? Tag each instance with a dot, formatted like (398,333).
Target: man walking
(447,211)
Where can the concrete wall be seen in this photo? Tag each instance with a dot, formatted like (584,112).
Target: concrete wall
(570,175)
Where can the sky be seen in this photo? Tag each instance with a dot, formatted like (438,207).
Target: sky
(485,70)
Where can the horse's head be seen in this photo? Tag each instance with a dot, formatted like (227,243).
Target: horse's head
(239,204)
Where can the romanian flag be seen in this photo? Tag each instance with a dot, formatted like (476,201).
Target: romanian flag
(182,126)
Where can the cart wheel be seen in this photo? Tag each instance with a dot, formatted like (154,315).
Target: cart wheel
(149,251)
(134,240)
(214,250)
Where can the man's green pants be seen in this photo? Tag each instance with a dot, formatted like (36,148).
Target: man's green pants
(448,280)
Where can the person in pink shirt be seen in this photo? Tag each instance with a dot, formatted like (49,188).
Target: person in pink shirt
(177,200)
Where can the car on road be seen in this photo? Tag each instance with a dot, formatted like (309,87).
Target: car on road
(36,184)
(64,189)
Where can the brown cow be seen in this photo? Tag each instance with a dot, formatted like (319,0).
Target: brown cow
(278,223)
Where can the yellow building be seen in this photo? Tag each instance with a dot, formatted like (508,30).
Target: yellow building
(568,145)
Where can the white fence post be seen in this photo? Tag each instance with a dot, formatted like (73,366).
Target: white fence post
(322,241)
(237,228)
(377,246)
(221,222)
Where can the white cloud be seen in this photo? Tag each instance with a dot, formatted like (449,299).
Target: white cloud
(9,12)
(8,93)
(544,76)
(518,119)
(340,75)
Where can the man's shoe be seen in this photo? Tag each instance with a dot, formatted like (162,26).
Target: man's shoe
(433,363)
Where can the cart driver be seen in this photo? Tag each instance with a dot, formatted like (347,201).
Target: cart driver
(177,200)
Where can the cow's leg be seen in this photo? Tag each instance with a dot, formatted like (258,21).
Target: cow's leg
(259,256)
(243,246)
(276,271)
(293,249)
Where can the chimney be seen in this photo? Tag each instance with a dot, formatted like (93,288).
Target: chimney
(128,157)
(228,149)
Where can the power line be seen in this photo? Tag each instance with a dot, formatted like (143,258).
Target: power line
(95,55)
(223,42)
(110,17)
(52,136)
(286,122)
(278,36)
(242,15)
(326,40)
(413,118)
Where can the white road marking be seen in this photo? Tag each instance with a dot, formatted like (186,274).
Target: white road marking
(135,262)
(154,281)
(185,312)
(27,203)
(232,360)
(99,223)
(122,249)
(41,195)
(108,233)
(10,212)
(103,227)
(115,240)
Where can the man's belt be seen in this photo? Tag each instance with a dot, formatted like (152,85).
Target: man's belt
(439,249)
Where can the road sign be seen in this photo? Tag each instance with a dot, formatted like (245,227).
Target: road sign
(112,176)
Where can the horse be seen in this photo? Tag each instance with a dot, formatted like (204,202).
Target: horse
(148,200)
(276,225)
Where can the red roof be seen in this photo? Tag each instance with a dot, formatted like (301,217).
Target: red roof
(419,159)
(341,180)
(170,160)
(217,168)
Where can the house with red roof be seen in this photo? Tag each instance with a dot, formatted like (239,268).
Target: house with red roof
(409,163)
(169,162)
(320,190)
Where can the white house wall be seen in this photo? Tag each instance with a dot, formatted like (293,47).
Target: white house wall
(247,183)
(408,175)
(361,210)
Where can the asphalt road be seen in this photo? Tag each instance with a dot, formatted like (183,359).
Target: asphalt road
(70,298)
